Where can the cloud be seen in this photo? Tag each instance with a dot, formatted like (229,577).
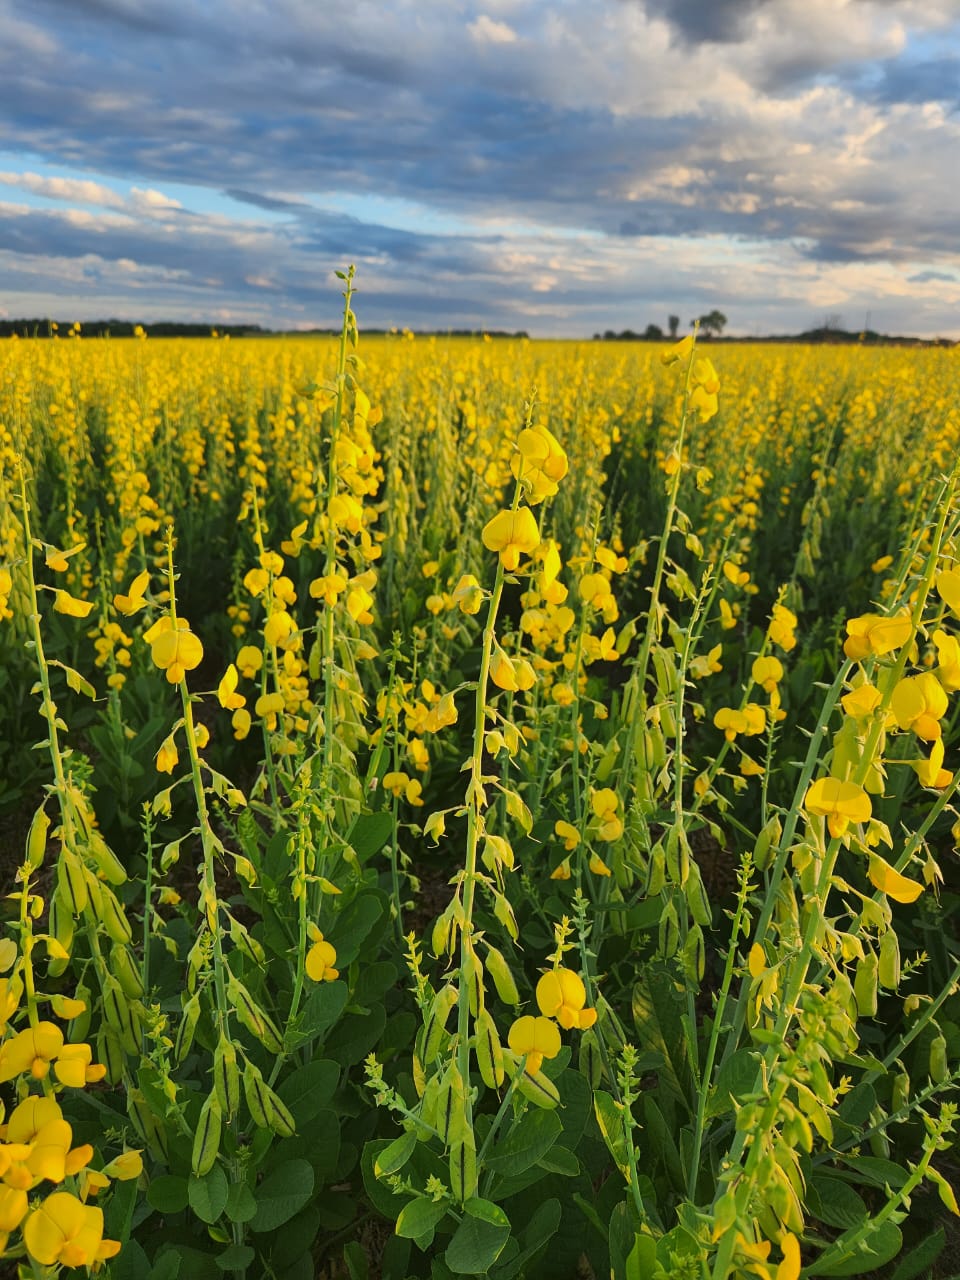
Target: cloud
(581,136)
(487,30)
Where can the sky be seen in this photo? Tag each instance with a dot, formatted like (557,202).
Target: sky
(558,166)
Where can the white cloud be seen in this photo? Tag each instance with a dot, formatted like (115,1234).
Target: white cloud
(487,30)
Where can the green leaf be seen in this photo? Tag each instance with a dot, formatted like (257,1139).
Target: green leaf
(539,1231)
(356,1260)
(883,1243)
(236,1257)
(561,1161)
(308,1090)
(658,1008)
(208,1195)
(282,1194)
(167,1266)
(419,1217)
(610,1122)
(735,1080)
(836,1203)
(527,1142)
(857,1107)
(320,1011)
(241,1205)
(921,1257)
(879,1172)
(475,1246)
(353,926)
(370,832)
(392,1158)
(486,1211)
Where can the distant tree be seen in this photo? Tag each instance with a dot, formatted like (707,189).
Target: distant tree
(712,323)
(653,333)
(673,324)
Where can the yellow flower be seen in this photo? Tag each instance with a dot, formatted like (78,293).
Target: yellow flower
(227,694)
(839,802)
(862,702)
(502,671)
(278,627)
(167,756)
(241,721)
(767,672)
(598,866)
(468,594)
(320,962)
(948,587)
(948,655)
(537,1038)
(67,1232)
(13,1209)
(125,1167)
(604,804)
(782,626)
(562,995)
(32,1049)
(134,601)
(249,661)
(871,634)
(75,1067)
(750,721)
(512,534)
(70,605)
(540,463)
(703,666)
(680,351)
(176,650)
(889,881)
(920,703)
(931,771)
(567,833)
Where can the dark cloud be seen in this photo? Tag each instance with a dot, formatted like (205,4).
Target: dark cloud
(925,277)
(699,21)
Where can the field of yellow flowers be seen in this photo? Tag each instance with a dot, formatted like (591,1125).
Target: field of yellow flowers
(478,808)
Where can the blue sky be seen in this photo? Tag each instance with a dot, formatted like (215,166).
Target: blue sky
(561,166)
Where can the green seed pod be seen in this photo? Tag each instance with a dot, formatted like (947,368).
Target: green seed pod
(503,980)
(489,1051)
(463,1168)
(150,1129)
(253,1017)
(125,971)
(119,1014)
(188,1025)
(765,849)
(206,1142)
(113,917)
(539,1089)
(451,1106)
(938,1059)
(61,928)
(255,1092)
(71,882)
(590,1061)
(108,864)
(278,1116)
(901,1091)
(226,1077)
(79,1027)
(865,985)
(37,839)
(111,1054)
(444,1002)
(471,974)
(696,896)
(888,969)
(692,956)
